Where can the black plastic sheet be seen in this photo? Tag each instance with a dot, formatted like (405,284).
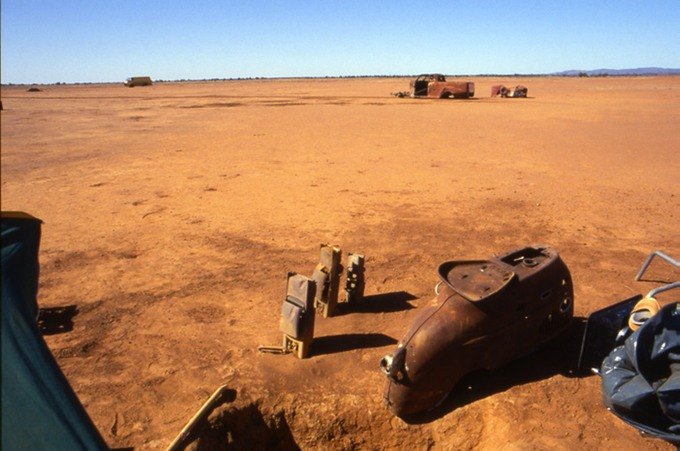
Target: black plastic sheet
(641,378)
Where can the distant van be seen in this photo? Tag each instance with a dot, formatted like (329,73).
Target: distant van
(138,81)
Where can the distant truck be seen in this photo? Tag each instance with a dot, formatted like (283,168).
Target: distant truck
(435,86)
(138,81)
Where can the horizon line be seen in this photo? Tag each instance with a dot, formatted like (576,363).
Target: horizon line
(595,73)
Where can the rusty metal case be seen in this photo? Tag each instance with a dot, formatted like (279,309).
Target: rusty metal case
(291,317)
(486,313)
(355,278)
(327,278)
(297,315)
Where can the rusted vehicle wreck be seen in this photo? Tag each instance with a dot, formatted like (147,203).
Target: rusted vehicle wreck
(518,91)
(435,86)
(486,313)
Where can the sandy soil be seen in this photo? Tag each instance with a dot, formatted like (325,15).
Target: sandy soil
(173,213)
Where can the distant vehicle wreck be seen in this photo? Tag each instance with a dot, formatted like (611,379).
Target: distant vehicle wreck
(435,86)
(138,81)
(516,92)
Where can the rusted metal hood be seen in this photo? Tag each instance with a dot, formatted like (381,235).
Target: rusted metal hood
(486,313)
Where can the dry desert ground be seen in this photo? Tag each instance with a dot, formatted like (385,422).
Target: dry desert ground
(172,214)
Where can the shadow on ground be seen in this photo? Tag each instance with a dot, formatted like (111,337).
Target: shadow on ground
(244,426)
(332,344)
(56,320)
(395,301)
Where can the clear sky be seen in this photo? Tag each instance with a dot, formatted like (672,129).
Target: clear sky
(51,41)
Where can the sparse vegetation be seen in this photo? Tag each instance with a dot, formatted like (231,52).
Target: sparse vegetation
(568,73)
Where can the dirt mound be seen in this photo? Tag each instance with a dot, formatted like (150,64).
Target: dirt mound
(243,425)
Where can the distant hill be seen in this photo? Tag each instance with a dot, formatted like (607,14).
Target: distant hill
(619,72)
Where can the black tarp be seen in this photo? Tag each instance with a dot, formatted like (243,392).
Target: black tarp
(641,378)
(39,408)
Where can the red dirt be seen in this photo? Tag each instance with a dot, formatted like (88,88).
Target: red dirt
(173,212)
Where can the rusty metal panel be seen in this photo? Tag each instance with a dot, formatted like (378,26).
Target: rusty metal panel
(516,92)
(486,313)
(327,278)
(355,279)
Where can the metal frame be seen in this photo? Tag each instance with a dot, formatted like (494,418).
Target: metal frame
(647,262)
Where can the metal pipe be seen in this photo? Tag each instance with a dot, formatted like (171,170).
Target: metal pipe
(178,443)
(663,288)
(273,349)
(647,262)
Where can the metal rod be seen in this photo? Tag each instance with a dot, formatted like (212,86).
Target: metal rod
(647,262)
(663,288)
(273,349)
(178,443)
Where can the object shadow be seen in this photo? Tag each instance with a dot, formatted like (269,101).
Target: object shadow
(395,301)
(332,344)
(56,320)
(559,356)
(244,426)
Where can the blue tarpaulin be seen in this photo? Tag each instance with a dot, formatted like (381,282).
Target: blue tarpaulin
(40,411)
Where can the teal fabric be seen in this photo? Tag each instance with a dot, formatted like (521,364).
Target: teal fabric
(40,411)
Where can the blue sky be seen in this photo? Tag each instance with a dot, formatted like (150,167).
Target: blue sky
(94,41)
